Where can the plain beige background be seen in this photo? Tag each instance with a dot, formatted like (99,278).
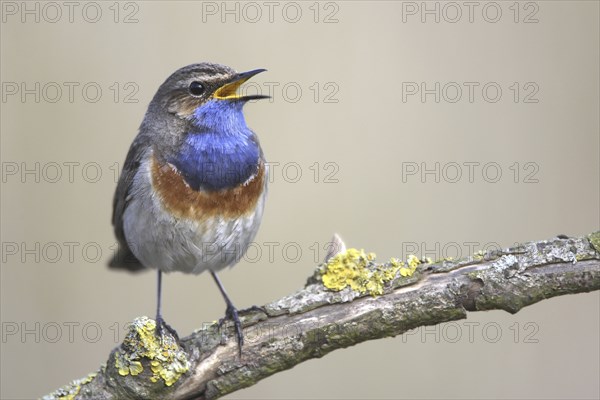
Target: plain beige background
(339,71)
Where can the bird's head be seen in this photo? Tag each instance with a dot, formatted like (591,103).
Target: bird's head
(195,122)
(205,94)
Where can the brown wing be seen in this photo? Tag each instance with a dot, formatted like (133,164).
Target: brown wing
(123,257)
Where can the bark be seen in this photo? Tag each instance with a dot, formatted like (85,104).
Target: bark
(315,321)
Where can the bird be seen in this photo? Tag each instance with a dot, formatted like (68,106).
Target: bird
(191,193)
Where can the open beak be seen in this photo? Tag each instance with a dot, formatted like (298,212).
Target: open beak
(229,90)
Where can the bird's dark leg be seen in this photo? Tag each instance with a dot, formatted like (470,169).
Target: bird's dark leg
(158,295)
(161,325)
(231,312)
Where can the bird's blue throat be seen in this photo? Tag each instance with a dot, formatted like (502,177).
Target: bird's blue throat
(220,151)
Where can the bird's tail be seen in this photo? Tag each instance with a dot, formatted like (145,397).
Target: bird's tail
(125,260)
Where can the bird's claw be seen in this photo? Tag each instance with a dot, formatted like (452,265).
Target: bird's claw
(232,314)
(253,308)
(163,329)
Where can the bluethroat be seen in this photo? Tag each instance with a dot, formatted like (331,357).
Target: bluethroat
(191,193)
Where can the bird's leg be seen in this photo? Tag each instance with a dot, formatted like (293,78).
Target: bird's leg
(231,313)
(161,325)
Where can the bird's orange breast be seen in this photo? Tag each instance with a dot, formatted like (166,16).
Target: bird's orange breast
(182,201)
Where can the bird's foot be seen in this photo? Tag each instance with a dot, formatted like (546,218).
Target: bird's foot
(231,313)
(163,329)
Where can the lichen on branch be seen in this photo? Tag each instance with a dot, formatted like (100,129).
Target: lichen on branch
(348,300)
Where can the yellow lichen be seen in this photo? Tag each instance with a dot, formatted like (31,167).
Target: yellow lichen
(412,262)
(355,268)
(71,390)
(167,360)
(479,255)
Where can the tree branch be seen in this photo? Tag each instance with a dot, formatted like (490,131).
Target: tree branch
(315,320)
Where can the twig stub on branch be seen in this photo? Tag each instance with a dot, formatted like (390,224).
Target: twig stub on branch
(315,320)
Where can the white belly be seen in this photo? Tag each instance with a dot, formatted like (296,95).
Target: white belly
(162,241)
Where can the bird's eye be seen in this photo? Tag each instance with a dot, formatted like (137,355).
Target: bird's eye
(196,88)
